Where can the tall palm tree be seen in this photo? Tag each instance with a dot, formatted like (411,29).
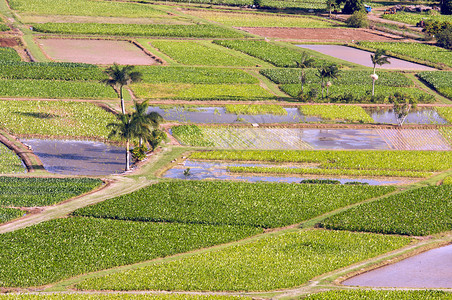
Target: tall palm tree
(121,76)
(306,61)
(321,73)
(143,122)
(124,130)
(378,58)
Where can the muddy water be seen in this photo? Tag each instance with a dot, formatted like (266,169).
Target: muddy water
(218,170)
(431,269)
(219,115)
(78,157)
(362,57)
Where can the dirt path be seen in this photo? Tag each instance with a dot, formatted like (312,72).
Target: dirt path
(118,186)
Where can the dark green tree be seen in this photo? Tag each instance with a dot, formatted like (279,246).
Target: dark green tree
(351,6)
(306,61)
(446,7)
(144,123)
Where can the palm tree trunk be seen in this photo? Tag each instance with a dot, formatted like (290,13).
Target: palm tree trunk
(127,155)
(373,86)
(123,110)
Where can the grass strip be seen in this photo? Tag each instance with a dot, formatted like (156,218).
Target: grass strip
(241,109)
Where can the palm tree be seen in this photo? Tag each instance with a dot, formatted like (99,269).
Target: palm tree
(331,72)
(321,73)
(379,58)
(143,122)
(306,61)
(119,77)
(124,130)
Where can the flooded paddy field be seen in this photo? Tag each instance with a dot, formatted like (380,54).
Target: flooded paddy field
(431,269)
(362,57)
(201,170)
(70,157)
(218,115)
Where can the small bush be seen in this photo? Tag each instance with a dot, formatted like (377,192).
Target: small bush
(358,20)
(320,181)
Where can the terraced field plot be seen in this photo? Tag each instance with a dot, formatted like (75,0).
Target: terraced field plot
(10,162)
(298,139)
(95,51)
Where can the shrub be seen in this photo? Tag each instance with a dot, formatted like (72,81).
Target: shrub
(358,20)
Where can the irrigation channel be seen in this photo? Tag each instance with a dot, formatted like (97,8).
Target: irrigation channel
(218,115)
(200,170)
(431,269)
(71,157)
(362,57)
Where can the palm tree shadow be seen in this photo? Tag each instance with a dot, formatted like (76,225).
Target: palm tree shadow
(37,115)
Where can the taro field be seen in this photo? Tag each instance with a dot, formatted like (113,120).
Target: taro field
(257,207)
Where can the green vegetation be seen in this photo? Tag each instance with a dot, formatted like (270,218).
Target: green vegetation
(61,248)
(266,205)
(417,51)
(54,89)
(422,161)
(348,77)
(190,135)
(201,30)
(50,71)
(447,180)
(29,192)
(272,53)
(375,295)
(445,113)
(335,172)
(261,20)
(241,109)
(441,81)
(446,132)
(7,214)
(8,55)
(9,161)
(85,8)
(52,118)
(112,296)
(194,75)
(414,18)
(422,211)
(202,53)
(287,260)
(201,91)
(337,112)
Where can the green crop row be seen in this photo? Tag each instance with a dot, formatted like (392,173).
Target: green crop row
(271,263)
(347,77)
(446,132)
(337,112)
(28,192)
(9,161)
(439,80)
(203,53)
(417,51)
(335,172)
(7,214)
(8,54)
(266,205)
(445,113)
(61,248)
(242,109)
(54,89)
(201,91)
(261,20)
(414,18)
(277,55)
(55,118)
(422,161)
(50,71)
(380,294)
(85,8)
(422,211)
(195,75)
(116,296)
(447,180)
(201,30)
(356,94)
(190,135)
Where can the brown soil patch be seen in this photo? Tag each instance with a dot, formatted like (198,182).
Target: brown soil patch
(8,42)
(103,52)
(319,34)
